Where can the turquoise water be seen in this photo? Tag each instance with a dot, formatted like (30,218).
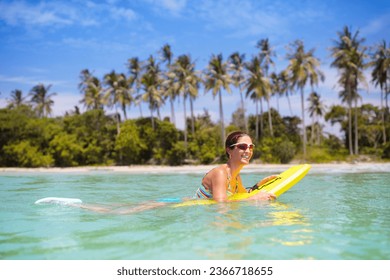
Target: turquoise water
(330,214)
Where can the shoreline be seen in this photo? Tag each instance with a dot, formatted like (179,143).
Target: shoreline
(262,168)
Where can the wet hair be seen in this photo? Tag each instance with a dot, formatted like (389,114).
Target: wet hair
(233,139)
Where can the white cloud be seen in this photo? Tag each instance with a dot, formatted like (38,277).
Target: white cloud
(21,13)
(17,79)
(60,14)
(254,18)
(95,44)
(379,25)
(122,13)
(30,80)
(174,7)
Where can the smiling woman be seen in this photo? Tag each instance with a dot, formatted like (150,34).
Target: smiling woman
(225,180)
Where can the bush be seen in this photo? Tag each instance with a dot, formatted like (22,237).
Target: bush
(284,151)
(263,150)
(66,150)
(23,154)
(207,155)
(319,155)
(276,150)
(128,144)
(177,154)
(386,151)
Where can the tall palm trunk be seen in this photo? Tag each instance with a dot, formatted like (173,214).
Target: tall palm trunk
(312,131)
(243,109)
(303,123)
(270,119)
(222,119)
(349,98)
(185,121)
(350,127)
(386,110)
(261,118)
(158,113)
(383,119)
(172,113)
(192,117)
(387,92)
(356,129)
(117,119)
(118,131)
(257,120)
(289,105)
(124,112)
(152,119)
(319,133)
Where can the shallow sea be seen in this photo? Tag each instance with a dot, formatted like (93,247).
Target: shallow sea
(332,214)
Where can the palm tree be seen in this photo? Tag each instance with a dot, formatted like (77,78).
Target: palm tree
(216,78)
(266,61)
(284,87)
(170,90)
(188,81)
(117,94)
(266,53)
(151,82)
(257,85)
(193,95)
(276,86)
(347,80)
(381,76)
(236,65)
(167,54)
(349,57)
(135,68)
(43,99)
(303,68)
(17,99)
(92,89)
(316,109)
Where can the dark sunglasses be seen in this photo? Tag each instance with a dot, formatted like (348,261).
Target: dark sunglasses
(244,146)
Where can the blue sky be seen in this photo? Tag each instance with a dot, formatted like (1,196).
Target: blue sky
(50,42)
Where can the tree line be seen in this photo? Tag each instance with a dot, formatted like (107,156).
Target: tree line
(95,137)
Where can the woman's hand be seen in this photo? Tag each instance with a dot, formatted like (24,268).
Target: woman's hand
(266,179)
(262,182)
(263,196)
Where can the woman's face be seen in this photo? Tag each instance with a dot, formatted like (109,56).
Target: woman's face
(243,150)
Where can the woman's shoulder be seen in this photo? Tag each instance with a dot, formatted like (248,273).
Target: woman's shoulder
(218,171)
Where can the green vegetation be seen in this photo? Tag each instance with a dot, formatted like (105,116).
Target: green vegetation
(91,138)
(29,137)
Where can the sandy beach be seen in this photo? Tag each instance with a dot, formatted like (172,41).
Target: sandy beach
(262,168)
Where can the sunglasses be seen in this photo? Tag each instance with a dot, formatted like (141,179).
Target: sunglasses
(244,146)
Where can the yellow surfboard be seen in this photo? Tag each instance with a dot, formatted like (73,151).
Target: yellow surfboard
(283,182)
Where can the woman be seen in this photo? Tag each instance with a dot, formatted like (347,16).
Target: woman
(225,180)
(218,184)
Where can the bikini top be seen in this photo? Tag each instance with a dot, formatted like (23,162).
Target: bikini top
(229,190)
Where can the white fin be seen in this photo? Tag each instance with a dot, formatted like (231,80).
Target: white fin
(58,200)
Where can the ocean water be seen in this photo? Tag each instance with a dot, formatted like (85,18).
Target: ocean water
(332,214)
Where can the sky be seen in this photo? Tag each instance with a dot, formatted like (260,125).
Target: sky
(51,42)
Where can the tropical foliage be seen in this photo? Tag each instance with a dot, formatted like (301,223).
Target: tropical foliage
(30,137)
